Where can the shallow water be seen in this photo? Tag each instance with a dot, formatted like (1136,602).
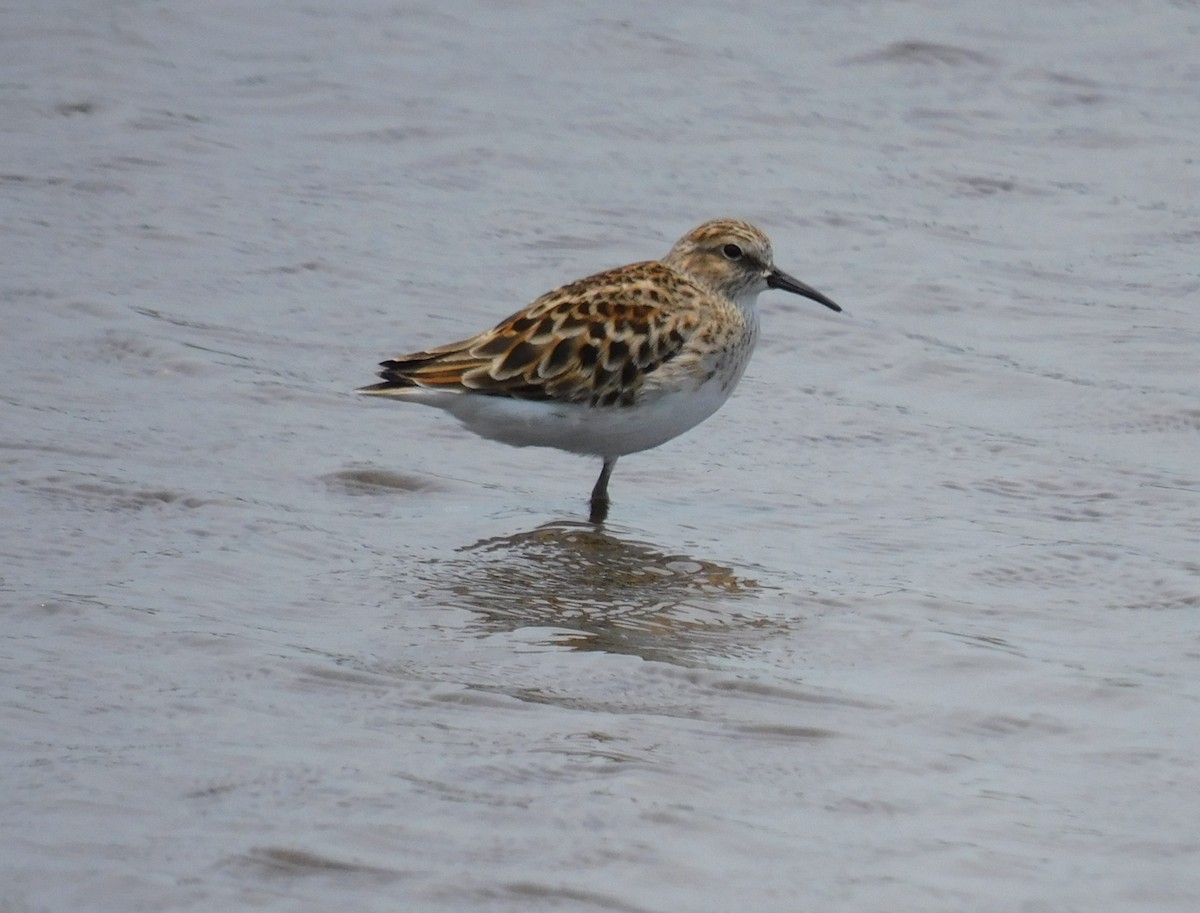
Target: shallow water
(911,624)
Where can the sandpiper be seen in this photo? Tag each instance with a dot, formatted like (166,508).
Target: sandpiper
(619,362)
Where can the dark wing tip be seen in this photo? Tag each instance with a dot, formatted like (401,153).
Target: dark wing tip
(395,377)
(386,386)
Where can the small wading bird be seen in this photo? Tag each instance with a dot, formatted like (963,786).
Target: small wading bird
(619,362)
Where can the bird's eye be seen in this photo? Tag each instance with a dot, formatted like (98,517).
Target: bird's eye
(732,252)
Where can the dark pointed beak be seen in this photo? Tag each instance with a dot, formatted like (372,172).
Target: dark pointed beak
(777,278)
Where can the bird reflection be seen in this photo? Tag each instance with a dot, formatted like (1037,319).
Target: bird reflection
(608,593)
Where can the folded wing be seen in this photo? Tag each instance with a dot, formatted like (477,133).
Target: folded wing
(592,342)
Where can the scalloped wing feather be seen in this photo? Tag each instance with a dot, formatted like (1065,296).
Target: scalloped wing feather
(594,341)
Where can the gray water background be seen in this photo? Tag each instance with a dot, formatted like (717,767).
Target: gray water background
(911,624)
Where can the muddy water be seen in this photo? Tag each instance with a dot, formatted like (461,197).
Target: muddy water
(911,624)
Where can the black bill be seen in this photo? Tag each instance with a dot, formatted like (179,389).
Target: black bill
(781,280)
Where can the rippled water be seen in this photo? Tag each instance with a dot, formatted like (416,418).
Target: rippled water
(911,624)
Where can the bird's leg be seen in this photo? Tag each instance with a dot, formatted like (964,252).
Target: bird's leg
(600,493)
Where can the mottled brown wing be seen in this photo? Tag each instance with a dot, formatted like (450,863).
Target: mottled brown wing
(593,342)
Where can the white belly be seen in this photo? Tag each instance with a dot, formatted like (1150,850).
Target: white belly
(677,398)
(605,431)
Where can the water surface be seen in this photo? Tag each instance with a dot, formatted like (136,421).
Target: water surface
(911,624)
